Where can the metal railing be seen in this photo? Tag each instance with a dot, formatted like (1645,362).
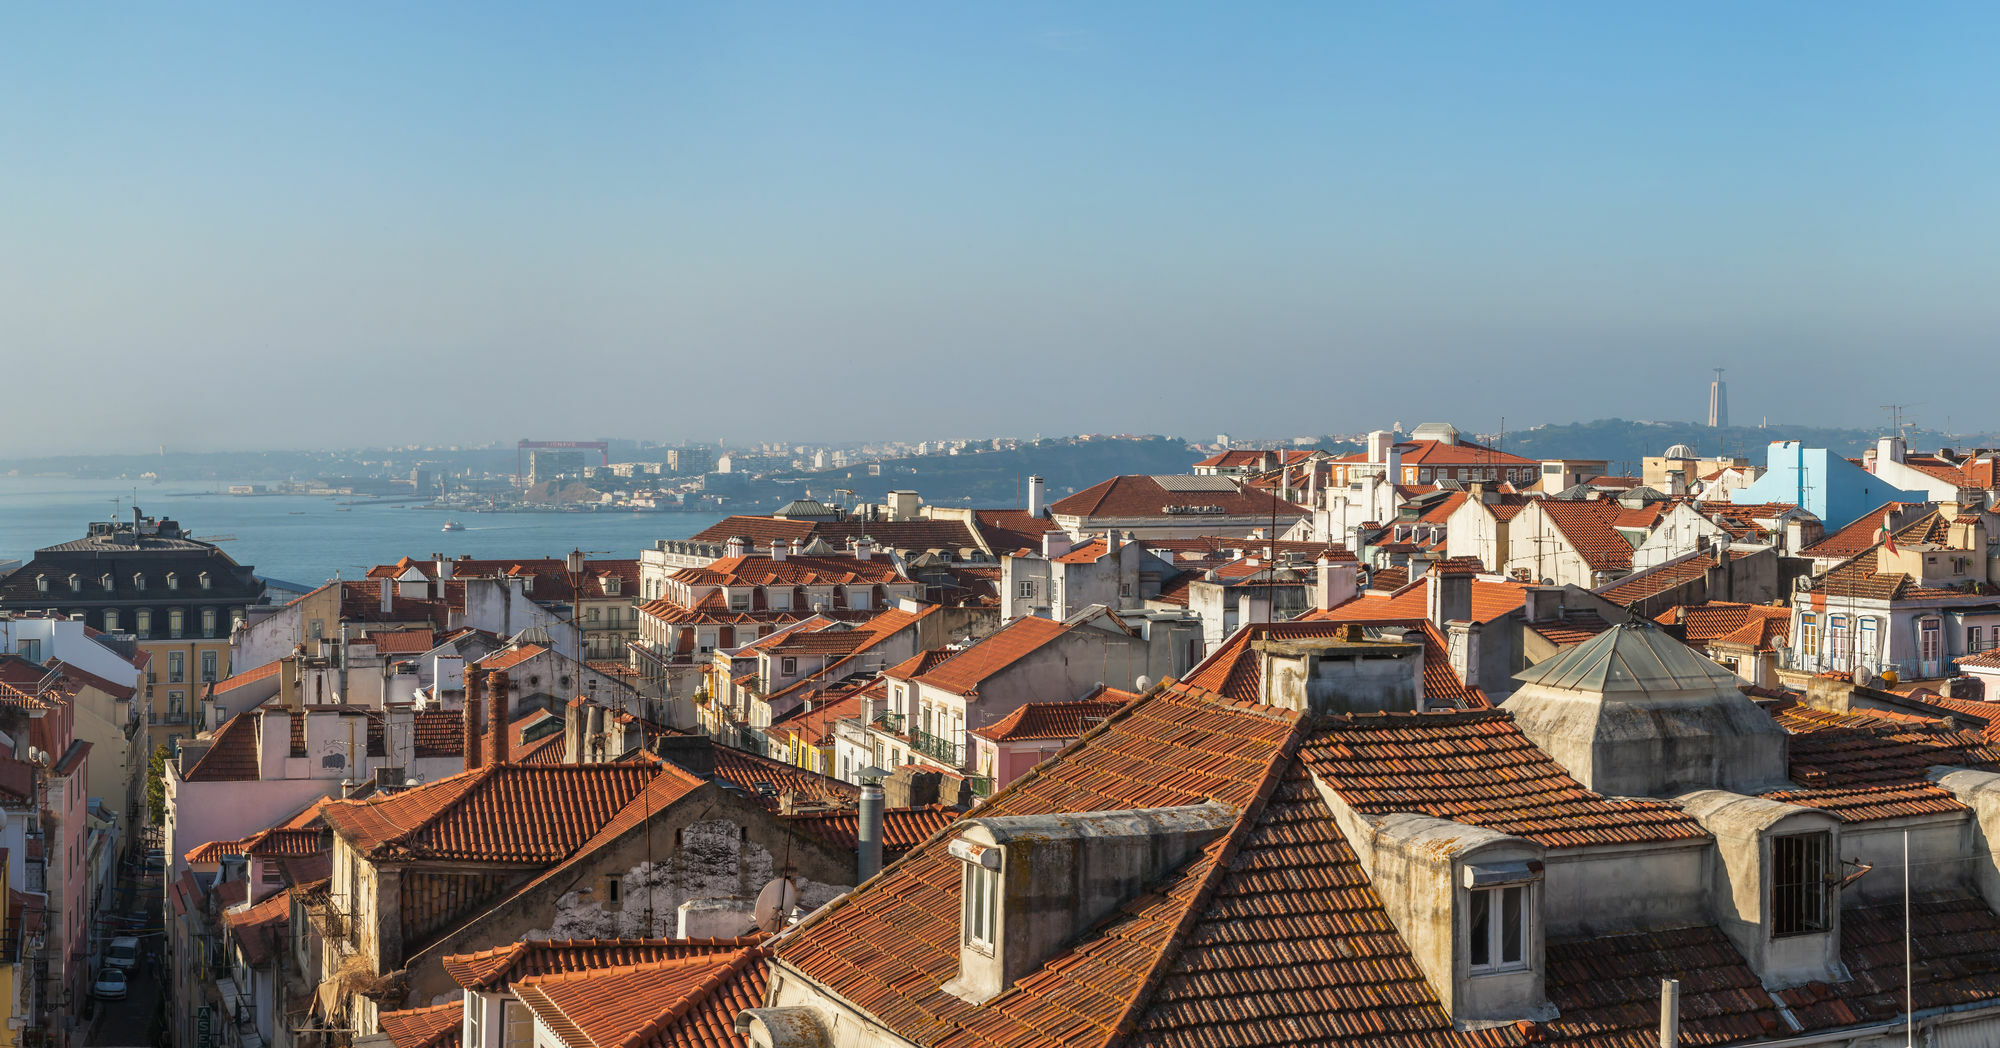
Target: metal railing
(891,722)
(938,748)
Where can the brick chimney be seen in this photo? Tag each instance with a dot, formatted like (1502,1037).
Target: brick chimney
(475,702)
(502,743)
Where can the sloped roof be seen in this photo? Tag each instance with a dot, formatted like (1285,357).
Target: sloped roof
(902,828)
(1656,580)
(691,1001)
(439,1026)
(1144,496)
(1234,671)
(1589,525)
(259,928)
(1056,720)
(1490,600)
(1867,749)
(1476,768)
(964,672)
(1629,657)
(484,970)
(498,813)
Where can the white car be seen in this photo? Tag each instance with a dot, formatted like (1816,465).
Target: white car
(110,985)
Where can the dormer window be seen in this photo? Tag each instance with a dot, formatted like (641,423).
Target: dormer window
(979,913)
(75,583)
(138,580)
(108,584)
(1799,876)
(206,582)
(1496,926)
(173,580)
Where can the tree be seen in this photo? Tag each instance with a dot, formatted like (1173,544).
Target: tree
(156,786)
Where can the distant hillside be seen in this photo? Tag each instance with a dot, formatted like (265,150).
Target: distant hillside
(1627,443)
(998,478)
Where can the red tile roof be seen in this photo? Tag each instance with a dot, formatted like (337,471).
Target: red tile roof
(1831,749)
(919,664)
(1588,525)
(548,751)
(1607,989)
(439,1026)
(1490,601)
(1477,768)
(260,929)
(237,680)
(1954,939)
(1857,536)
(1143,496)
(749,772)
(1006,530)
(1233,669)
(232,752)
(493,969)
(512,657)
(404,642)
(1439,453)
(1056,720)
(498,814)
(921,534)
(964,672)
(1576,626)
(215,851)
(902,828)
(758,570)
(1758,625)
(1874,803)
(690,1002)
(80,677)
(1653,581)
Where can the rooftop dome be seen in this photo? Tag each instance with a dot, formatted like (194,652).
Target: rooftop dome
(1681,451)
(1634,712)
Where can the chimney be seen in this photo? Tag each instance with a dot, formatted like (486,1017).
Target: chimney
(1394,459)
(736,546)
(1542,604)
(496,689)
(1670,1013)
(399,745)
(1379,443)
(1036,494)
(1418,565)
(1054,544)
(1449,597)
(777,549)
(442,572)
(1111,541)
(1888,449)
(864,548)
(475,708)
(798,548)
(868,832)
(388,595)
(1337,583)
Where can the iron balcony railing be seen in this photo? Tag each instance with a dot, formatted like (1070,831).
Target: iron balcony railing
(891,723)
(939,748)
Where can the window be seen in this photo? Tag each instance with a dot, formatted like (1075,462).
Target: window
(612,886)
(1836,637)
(1799,884)
(106,581)
(176,703)
(517,1025)
(788,666)
(110,620)
(1026,590)
(173,580)
(206,583)
(208,622)
(176,622)
(317,629)
(208,666)
(1972,641)
(271,873)
(42,583)
(1496,928)
(475,1010)
(1864,646)
(982,891)
(75,583)
(138,581)
(1808,634)
(176,667)
(1932,633)
(31,650)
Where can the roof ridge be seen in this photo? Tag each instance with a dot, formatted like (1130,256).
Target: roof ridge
(1275,773)
(696,994)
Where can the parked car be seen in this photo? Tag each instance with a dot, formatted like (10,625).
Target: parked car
(123,953)
(110,985)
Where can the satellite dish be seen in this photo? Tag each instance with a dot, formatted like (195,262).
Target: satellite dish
(1803,584)
(776,901)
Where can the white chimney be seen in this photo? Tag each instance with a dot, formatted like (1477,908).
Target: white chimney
(864,548)
(1035,496)
(1054,544)
(736,546)
(1889,449)
(388,595)
(777,549)
(1379,443)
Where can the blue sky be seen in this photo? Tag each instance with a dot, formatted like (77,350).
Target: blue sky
(231,225)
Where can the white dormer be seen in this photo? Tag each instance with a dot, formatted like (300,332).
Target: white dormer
(206,582)
(138,580)
(173,580)
(107,582)
(75,583)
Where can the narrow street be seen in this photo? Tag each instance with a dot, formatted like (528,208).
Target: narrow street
(133,1022)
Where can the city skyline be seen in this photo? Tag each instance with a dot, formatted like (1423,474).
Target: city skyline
(858,211)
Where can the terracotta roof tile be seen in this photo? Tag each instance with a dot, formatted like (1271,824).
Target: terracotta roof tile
(1056,720)
(497,814)
(1588,525)
(495,968)
(259,929)
(1857,536)
(690,1001)
(1232,670)
(1607,989)
(1873,803)
(1477,768)
(902,828)
(1656,580)
(1831,749)
(964,672)
(1954,939)
(752,774)
(1144,496)
(1490,601)
(404,642)
(1576,626)
(439,1026)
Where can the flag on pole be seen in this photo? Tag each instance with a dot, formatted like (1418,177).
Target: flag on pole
(1888,535)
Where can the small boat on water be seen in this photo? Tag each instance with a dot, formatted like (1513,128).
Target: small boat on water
(452,525)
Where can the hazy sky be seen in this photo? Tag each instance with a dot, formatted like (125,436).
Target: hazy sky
(292,224)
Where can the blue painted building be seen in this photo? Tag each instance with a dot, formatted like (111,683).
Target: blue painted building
(1823,483)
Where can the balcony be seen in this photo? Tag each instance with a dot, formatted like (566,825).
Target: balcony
(939,749)
(893,723)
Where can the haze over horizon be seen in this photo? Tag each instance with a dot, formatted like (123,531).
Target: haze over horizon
(335,227)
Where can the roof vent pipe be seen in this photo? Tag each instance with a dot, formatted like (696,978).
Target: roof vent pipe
(1670,1013)
(497,688)
(868,832)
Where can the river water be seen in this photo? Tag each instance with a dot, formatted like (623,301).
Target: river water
(306,539)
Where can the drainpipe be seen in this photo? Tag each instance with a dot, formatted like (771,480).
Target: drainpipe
(868,834)
(496,688)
